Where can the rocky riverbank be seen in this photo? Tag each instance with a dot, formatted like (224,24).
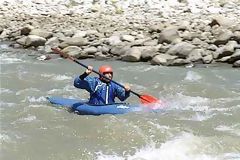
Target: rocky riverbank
(169,33)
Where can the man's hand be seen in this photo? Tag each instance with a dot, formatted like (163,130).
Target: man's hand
(127,87)
(89,70)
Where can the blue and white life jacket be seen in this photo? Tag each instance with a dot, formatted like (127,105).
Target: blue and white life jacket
(100,92)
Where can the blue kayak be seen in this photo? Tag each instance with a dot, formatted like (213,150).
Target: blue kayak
(83,108)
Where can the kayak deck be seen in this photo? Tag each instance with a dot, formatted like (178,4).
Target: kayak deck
(83,108)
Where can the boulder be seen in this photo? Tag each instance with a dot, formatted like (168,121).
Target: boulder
(77,41)
(207,59)
(114,40)
(119,50)
(224,37)
(41,33)
(162,59)
(90,50)
(132,55)
(226,50)
(236,36)
(22,40)
(235,56)
(168,35)
(178,62)
(127,38)
(195,55)
(148,53)
(26,30)
(156,28)
(52,41)
(73,51)
(181,50)
(236,64)
(221,21)
(80,34)
(33,40)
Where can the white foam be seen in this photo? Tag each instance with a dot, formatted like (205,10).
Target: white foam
(4,90)
(201,116)
(57,77)
(183,147)
(27,90)
(9,60)
(29,118)
(4,138)
(32,99)
(184,102)
(62,77)
(4,104)
(234,129)
(192,76)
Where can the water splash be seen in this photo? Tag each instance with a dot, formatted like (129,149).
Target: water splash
(183,147)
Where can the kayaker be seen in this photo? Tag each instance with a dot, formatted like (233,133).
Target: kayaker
(102,90)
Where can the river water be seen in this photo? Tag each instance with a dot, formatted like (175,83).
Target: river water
(200,119)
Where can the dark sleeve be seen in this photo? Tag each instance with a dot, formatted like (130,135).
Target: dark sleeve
(82,76)
(121,93)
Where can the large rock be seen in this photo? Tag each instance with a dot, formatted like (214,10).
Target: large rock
(207,59)
(26,30)
(76,41)
(168,35)
(178,62)
(236,64)
(236,36)
(52,41)
(162,59)
(132,55)
(22,40)
(127,38)
(156,28)
(235,56)
(224,37)
(119,50)
(148,53)
(181,50)
(114,40)
(221,21)
(226,50)
(80,34)
(73,51)
(41,33)
(33,40)
(196,55)
(90,50)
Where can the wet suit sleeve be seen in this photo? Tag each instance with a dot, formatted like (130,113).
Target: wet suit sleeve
(85,82)
(121,93)
(82,76)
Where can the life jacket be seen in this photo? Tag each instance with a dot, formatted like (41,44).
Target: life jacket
(103,93)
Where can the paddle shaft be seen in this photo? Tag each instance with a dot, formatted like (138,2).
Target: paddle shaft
(76,61)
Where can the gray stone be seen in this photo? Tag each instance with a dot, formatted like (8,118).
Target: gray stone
(41,33)
(90,50)
(162,59)
(236,64)
(181,50)
(73,51)
(33,40)
(132,55)
(128,38)
(168,35)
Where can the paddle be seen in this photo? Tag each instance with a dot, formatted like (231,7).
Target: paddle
(144,99)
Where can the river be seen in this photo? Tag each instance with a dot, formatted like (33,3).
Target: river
(200,119)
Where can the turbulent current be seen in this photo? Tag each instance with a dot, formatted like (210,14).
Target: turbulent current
(199,121)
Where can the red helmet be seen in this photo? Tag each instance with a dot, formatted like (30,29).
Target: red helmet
(105,69)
